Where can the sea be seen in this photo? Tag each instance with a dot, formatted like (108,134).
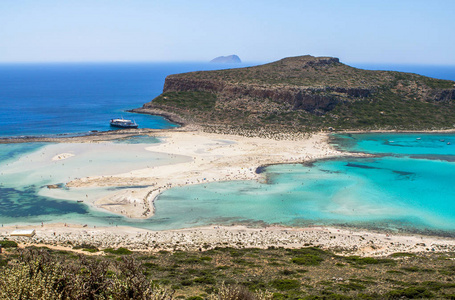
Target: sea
(407,186)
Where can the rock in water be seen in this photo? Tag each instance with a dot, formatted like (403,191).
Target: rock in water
(231,59)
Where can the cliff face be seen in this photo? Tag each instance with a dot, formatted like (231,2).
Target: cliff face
(308,99)
(303,87)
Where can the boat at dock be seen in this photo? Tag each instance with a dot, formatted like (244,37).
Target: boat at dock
(122,123)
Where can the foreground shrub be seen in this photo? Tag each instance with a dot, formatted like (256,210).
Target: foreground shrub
(27,282)
(37,275)
(8,244)
(239,292)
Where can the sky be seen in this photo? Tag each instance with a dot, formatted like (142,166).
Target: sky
(356,31)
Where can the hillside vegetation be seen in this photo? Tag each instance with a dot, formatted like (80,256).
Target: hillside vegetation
(308,93)
(223,274)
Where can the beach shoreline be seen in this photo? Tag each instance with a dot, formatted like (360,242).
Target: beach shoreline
(345,241)
(442,131)
(214,157)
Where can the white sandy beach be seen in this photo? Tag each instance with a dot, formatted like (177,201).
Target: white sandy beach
(343,241)
(214,157)
(209,157)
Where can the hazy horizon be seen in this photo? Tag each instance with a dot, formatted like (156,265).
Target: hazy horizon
(356,64)
(386,31)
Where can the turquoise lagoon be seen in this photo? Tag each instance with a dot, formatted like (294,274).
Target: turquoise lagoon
(381,193)
(434,145)
(407,186)
(26,170)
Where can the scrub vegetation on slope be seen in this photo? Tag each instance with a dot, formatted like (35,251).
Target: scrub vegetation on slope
(308,93)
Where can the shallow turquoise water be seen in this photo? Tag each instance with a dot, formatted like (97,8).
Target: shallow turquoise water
(384,193)
(138,139)
(418,144)
(24,197)
(407,187)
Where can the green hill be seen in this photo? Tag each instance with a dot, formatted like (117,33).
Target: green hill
(307,93)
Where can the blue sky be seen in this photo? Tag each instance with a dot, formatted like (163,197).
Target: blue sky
(360,31)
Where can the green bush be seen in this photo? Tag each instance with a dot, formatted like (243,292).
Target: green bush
(307,260)
(414,269)
(119,251)
(285,284)
(402,254)
(308,250)
(395,272)
(287,272)
(411,293)
(329,296)
(186,282)
(369,260)
(85,246)
(351,286)
(205,258)
(187,100)
(8,244)
(205,280)
(91,250)
(3,262)
(449,271)
(150,265)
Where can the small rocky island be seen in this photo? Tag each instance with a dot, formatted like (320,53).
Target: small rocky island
(306,93)
(230,59)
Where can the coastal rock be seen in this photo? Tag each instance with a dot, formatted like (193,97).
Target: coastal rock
(230,59)
(53,186)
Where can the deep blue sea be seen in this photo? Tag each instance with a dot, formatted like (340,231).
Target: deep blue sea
(45,99)
(408,186)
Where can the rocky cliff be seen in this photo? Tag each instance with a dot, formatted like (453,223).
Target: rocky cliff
(308,93)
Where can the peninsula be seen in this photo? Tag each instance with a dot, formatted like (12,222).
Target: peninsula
(305,94)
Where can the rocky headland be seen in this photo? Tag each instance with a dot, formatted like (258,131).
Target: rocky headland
(307,93)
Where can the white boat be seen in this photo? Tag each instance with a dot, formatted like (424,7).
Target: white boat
(122,123)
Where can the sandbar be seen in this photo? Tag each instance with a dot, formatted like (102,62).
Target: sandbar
(214,157)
